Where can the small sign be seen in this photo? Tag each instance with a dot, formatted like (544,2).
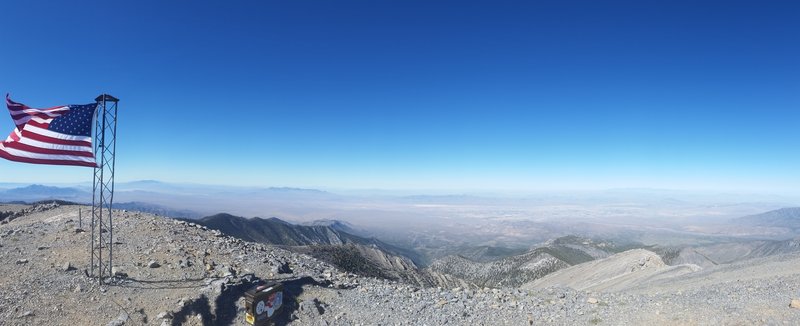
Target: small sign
(263,303)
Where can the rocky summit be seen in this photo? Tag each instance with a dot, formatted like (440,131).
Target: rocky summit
(174,272)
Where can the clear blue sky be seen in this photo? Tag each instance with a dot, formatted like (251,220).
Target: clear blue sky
(423,94)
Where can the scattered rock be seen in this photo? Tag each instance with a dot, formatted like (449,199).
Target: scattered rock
(795,303)
(186,262)
(592,300)
(67,266)
(27,314)
(119,321)
(184,302)
(22,261)
(312,308)
(153,264)
(118,272)
(164,315)
(280,268)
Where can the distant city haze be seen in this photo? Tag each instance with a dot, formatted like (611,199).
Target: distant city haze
(650,216)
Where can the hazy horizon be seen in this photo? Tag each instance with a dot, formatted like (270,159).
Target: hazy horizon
(434,191)
(648,216)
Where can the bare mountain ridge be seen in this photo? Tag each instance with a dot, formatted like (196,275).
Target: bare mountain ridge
(788,217)
(336,225)
(507,272)
(484,254)
(272,230)
(731,252)
(640,268)
(326,240)
(279,232)
(522,268)
(613,273)
(371,261)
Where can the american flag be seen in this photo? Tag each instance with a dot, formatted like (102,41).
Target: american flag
(60,135)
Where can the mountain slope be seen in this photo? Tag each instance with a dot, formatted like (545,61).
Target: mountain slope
(730,252)
(511,271)
(371,261)
(484,254)
(614,273)
(272,230)
(276,231)
(777,224)
(336,225)
(780,267)
(781,219)
(326,241)
(519,269)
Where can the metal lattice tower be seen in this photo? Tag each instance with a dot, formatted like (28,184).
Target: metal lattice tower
(105,138)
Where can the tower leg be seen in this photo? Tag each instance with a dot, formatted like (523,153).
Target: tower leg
(102,237)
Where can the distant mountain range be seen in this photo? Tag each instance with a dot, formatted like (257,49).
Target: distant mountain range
(178,199)
(783,218)
(157,210)
(34,193)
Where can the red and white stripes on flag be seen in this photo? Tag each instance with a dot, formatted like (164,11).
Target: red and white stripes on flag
(59,135)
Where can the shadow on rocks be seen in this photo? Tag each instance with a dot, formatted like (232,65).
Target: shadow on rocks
(199,306)
(130,282)
(227,310)
(291,291)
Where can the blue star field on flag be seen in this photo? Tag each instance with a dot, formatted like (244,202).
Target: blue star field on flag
(77,122)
